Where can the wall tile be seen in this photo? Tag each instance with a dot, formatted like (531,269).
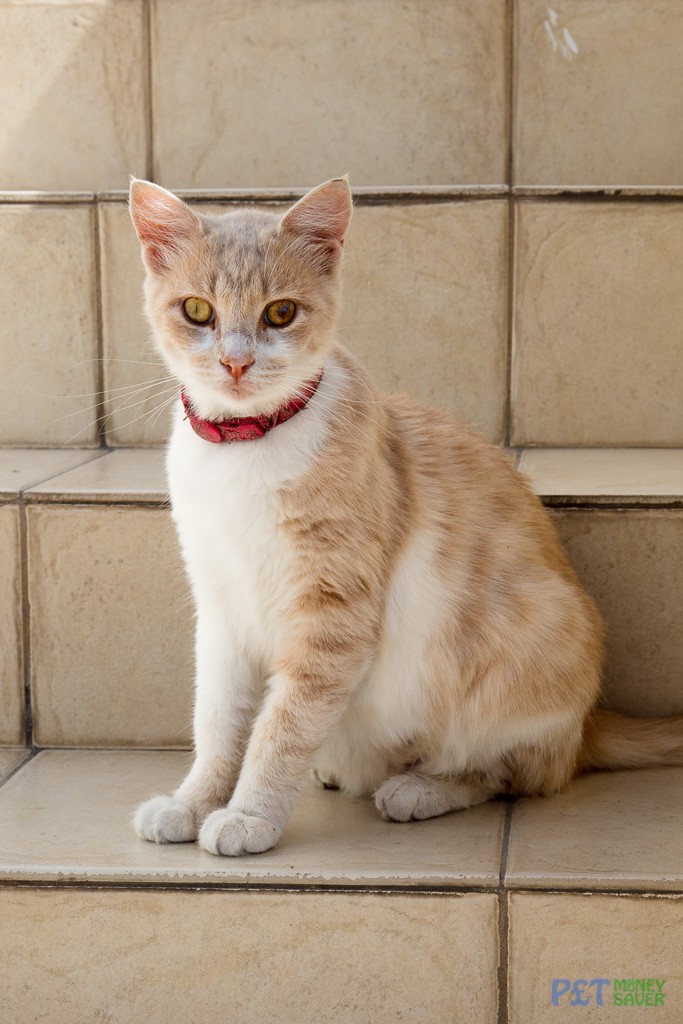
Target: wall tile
(11,629)
(129,951)
(425,304)
(597,352)
(75,73)
(293,94)
(631,562)
(136,380)
(603,105)
(111,627)
(48,332)
(584,936)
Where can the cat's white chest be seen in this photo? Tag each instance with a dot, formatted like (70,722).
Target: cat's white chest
(227,508)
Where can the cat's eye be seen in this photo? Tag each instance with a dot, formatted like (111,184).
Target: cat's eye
(198,310)
(280,313)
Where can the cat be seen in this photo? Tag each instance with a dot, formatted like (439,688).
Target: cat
(380,596)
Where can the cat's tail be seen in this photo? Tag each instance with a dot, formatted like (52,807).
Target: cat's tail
(615,741)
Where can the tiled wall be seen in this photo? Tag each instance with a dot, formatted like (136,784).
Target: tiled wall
(515,255)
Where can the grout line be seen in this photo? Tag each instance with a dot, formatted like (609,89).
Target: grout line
(104,501)
(512,218)
(99,327)
(195,884)
(26,624)
(148,16)
(618,505)
(30,754)
(512,89)
(510,318)
(366,195)
(503,921)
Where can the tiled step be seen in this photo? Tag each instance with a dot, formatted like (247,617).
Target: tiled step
(468,917)
(98,611)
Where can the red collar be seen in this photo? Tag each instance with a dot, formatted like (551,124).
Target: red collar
(247,428)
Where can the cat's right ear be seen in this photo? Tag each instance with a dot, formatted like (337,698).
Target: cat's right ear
(320,220)
(165,226)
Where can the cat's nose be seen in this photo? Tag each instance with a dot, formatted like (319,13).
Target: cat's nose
(237,366)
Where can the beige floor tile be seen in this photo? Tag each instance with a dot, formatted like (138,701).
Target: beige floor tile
(133,475)
(111,626)
(75,112)
(604,105)
(136,380)
(396,94)
(597,354)
(24,467)
(609,830)
(425,304)
(11,629)
(68,815)
(431,324)
(605,475)
(10,757)
(632,564)
(577,937)
(48,338)
(312,958)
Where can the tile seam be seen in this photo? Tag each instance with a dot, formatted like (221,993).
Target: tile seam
(84,501)
(253,887)
(26,626)
(503,920)
(100,408)
(148,14)
(363,195)
(510,314)
(511,239)
(29,755)
(67,501)
(408,890)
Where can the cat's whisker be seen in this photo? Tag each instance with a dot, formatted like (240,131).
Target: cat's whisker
(129,403)
(132,393)
(124,402)
(145,415)
(105,391)
(115,359)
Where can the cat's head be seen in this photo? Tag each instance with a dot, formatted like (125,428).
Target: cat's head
(242,305)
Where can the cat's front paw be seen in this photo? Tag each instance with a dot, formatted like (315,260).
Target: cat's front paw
(231,834)
(164,819)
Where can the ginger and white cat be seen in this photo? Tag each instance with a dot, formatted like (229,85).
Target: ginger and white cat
(379,594)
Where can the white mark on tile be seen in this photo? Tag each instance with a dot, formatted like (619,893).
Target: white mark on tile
(560,40)
(571,43)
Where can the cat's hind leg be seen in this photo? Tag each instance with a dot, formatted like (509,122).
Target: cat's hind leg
(414,795)
(324,779)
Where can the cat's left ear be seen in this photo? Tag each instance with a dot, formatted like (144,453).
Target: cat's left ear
(166,227)
(320,221)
